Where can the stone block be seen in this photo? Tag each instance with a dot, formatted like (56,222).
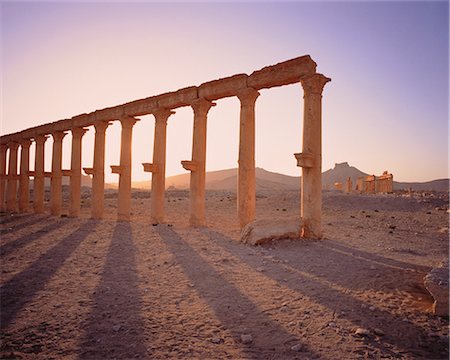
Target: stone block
(109,114)
(284,73)
(82,120)
(44,129)
(221,88)
(436,282)
(141,107)
(262,231)
(182,97)
(62,125)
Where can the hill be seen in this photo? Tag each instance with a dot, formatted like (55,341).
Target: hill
(267,180)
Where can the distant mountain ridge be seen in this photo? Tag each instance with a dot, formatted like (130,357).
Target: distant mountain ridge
(267,180)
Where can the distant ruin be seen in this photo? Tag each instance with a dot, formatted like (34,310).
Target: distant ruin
(372,184)
(14,184)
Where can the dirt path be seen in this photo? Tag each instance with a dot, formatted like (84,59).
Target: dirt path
(84,289)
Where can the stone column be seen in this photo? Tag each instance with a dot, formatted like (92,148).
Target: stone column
(311,157)
(246,193)
(75,172)
(56,178)
(197,165)
(158,167)
(39,178)
(24,182)
(124,169)
(98,170)
(11,184)
(3,149)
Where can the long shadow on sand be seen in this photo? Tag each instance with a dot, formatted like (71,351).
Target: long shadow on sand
(19,224)
(411,339)
(21,289)
(211,286)
(114,328)
(28,238)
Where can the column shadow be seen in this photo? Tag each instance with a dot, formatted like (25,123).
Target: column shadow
(115,326)
(6,218)
(19,226)
(28,238)
(412,339)
(21,289)
(230,305)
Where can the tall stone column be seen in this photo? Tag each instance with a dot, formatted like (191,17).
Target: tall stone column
(56,178)
(3,149)
(158,167)
(11,185)
(124,169)
(246,193)
(24,182)
(98,170)
(75,172)
(39,178)
(197,165)
(311,157)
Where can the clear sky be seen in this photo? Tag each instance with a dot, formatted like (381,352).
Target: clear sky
(385,109)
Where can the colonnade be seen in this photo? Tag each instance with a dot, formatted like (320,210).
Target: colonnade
(200,99)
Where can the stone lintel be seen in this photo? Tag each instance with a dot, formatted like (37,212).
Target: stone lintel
(116,169)
(221,88)
(62,125)
(149,167)
(82,121)
(182,97)
(305,160)
(189,165)
(284,73)
(27,134)
(109,114)
(67,173)
(88,171)
(44,129)
(141,107)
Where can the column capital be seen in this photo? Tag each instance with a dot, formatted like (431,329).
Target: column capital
(78,132)
(128,121)
(248,96)
(40,139)
(3,147)
(201,106)
(25,143)
(12,145)
(162,114)
(100,126)
(314,84)
(58,135)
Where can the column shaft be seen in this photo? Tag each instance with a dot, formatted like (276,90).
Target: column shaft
(98,177)
(159,159)
(39,179)
(197,183)
(124,206)
(56,179)
(75,172)
(311,187)
(24,182)
(246,192)
(3,149)
(11,185)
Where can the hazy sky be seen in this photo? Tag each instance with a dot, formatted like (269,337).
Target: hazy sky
(385,109)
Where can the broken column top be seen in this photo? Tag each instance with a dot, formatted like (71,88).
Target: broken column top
(283,73)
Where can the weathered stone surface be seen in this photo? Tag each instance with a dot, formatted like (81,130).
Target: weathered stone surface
(261,231)
(108,114)
(82,120)
(221,88)
(44,129)
(141,107)
(62,125)
(436,282)
(284,73)
(182,97)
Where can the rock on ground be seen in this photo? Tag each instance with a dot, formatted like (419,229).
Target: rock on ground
(262,231)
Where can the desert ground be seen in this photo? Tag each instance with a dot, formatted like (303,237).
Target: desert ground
(85,289)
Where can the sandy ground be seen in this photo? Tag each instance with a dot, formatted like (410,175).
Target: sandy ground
(84,289)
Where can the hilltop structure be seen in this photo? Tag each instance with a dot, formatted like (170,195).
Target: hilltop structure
(200,99)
